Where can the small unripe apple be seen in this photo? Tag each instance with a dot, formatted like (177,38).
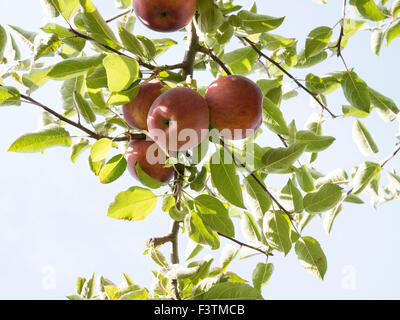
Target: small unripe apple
(178,119)
(151,160)
(235,104)
(136,111)
(165,15)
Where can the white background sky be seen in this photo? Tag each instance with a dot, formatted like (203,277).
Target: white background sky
(53,222)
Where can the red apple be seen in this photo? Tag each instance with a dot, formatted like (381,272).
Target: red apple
(151,160)
(135,112)
(235,104)
(178,120)
(165,15)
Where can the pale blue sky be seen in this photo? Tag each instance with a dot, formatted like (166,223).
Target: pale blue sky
(53,217)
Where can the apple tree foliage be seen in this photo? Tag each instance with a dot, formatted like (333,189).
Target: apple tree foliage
(100,62)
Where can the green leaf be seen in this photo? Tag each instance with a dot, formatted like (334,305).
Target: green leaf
(351,27)
(192,250)
(311,256)
(178,272)
(240,61)
(79,284)
(225,179)
(322,85)
(3,41)
(88,288)
(292,194)
(149,47)
(280,159)
(134,204)
(364,175)
(9,96)
(273,118)
(67,92)
(232,291)
(146,180)
(73,67)
(377,37)
(274,41)
(250,228)
(198,183)
(356,91)
(178,214)
(395,10)
(304,62)
(45,45)
(252,23)
(261,275)
(367,9)
(66,7)
(96,26)
(331,216)
(229,253)
(35,78)
(323,199)
(224,33)
(14,50)
(101,149)
(131,43)
(386,107)
(258,200)
(49,136)
(214,214)
(314,142)
(210,17)
(125,96)
(393,33)
(50,8)
(317,40)
(305,179)
(78,148)
(121,72)
(363,139)
(113,169)
(158,257)
(350,111)
(277,231)
(338,176)
(26,37)
(199,232)
(95,167)
(84,107)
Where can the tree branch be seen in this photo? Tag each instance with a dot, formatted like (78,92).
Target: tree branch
(128,136)
(259,182)
(127,11)
(276,64)
(146,65)
(396,151)
(217,60)
(187,70)
(341,35)
(242,244)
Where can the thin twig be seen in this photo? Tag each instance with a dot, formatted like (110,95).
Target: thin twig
(242,244)
(259,182)
(276,64)
(128,136)
(341,35)
(396,151)
(217,60)
(127,11)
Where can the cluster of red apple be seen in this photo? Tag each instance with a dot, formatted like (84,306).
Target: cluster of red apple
(179,118)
